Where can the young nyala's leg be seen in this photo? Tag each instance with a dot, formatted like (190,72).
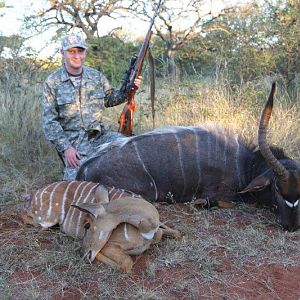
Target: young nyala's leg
(169,232)
(114,256)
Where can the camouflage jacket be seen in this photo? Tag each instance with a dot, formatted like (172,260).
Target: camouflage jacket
(69,112)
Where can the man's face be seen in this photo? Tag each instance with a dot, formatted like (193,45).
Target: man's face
(74,58)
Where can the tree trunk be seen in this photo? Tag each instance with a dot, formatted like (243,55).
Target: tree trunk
(173,70)
(291,70)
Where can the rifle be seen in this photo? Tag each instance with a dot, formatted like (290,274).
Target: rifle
(134,70)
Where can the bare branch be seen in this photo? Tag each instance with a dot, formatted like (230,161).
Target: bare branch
(84,15)
(178,20)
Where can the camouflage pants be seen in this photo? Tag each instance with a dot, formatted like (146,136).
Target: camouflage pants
(92,149)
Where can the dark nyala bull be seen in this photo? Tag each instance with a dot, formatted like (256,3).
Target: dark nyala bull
(184,163)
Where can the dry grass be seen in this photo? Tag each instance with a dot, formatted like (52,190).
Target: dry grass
(195,102)
(218,248)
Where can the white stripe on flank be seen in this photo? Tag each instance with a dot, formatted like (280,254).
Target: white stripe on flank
(37,199)
(122,193)
(62,213)
(111,194)
(197,159)
(119,194)
(51,197)
(225,157)
(77,189)
(34,200)
(89,193)
(111,189)
(69,217)
(145,169)
(80,212)
(178,142)
(209,150)
(40,197)
(93,200)
(237,163)
(39,203)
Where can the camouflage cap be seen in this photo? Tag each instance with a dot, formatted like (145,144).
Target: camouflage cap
(73,40)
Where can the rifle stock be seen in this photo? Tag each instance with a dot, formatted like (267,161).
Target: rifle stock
(126,117)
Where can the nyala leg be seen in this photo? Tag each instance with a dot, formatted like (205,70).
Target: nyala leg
(169,232)
(114,256)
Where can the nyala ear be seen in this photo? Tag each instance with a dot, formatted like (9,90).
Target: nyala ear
(258,183)
(94,209)
(101,194)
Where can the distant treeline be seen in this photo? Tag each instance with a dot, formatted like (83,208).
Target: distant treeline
(243,44)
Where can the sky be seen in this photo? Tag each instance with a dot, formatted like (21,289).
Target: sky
(11,21)
(12,18)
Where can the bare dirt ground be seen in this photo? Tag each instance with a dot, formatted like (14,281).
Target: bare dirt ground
(235,253)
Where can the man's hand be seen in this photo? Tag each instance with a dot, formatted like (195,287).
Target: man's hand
(138,81)
(72,157)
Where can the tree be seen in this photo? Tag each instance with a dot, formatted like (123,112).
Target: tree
(82,14)
(110,55)
(284,26)
(177,22)
(258,39)
(238,45)
(20,68)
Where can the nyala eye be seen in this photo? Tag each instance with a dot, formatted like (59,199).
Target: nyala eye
(87,225)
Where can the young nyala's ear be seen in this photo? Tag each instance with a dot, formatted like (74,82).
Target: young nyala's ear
(94,209)
(101,194)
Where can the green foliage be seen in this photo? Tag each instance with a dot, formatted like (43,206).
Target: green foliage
(111,56)
(285,27)
(257,40)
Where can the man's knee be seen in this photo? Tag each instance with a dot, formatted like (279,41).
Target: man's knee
(70,173)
